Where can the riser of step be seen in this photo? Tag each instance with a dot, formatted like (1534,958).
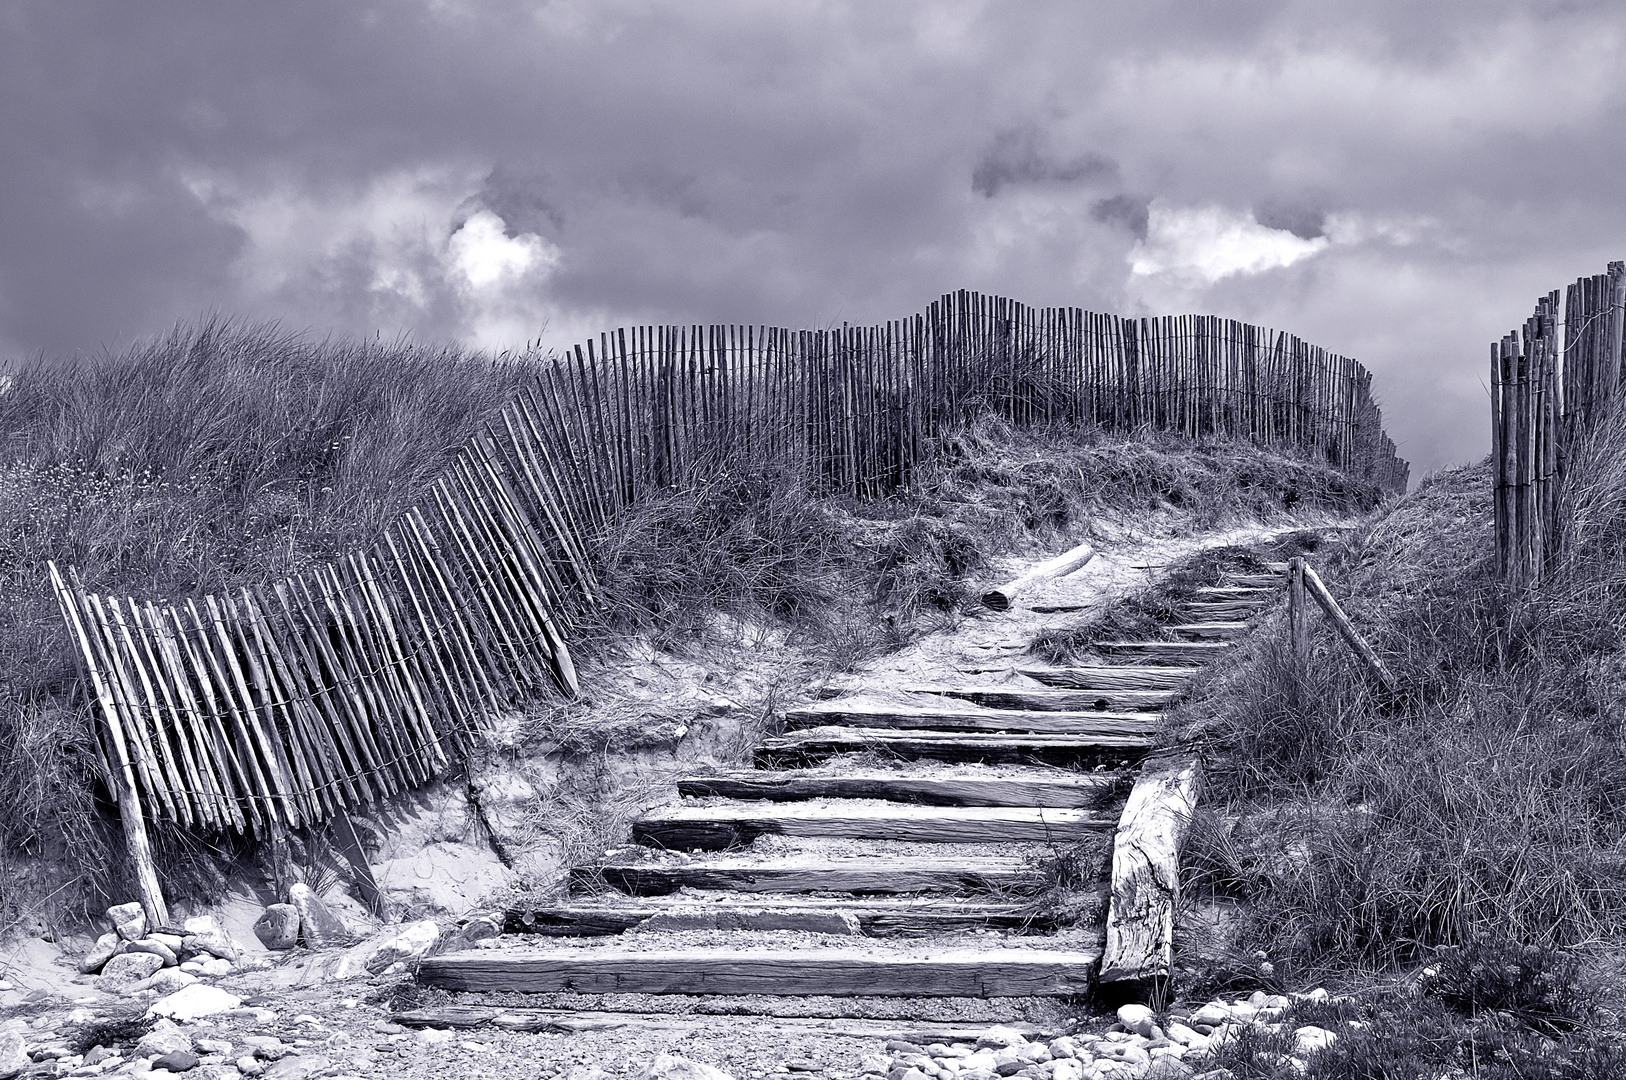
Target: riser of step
(832,972)
(1068,790)
(875,876)
(721,827)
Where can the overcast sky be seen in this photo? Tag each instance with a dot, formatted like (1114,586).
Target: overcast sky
(1393,179)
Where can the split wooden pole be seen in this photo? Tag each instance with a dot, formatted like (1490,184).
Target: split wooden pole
(1346,629)
(121,777)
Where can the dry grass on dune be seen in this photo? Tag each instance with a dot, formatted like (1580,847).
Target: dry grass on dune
(1485,802)
(220,455)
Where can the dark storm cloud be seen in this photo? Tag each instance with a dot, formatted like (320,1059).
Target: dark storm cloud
(1019,157)
(1132,212)
(1303,219)
(1394,181)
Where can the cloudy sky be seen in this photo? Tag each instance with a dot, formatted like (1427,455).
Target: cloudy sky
(1394,179)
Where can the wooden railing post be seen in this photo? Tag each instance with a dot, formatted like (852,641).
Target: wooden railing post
(1299,632)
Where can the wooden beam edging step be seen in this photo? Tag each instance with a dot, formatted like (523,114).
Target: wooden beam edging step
(929,718)
(717,827)
(858,875)
(1057,699)
(812,743)
(775,972)
(1111,677)
(1048,788)
(875,916)
(1139,952)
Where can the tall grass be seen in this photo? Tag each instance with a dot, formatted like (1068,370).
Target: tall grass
(222,454)
(1485,801)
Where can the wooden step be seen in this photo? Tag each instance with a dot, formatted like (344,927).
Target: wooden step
(1176,651)
(927,718)
(814,744)
(1240,592)
(1217,631)
(1057,700)
(1253,581)
(720,826)
(1224,610)
(779,972)
(1058,789)
(1108,677)
(876,917)
(858,875)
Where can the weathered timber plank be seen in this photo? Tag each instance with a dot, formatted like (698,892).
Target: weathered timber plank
(1217,631)
(717,827)
(876,917)
(1060,789)
(1146,875)
(776,972)
(1223,610)
(1109,677)
(1237,592)
(948,719)
(817,743)
(574,1021)
(1261,581)
(853,875)
(1057,699)
(1183,652)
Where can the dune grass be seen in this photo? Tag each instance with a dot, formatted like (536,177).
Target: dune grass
(1483,803)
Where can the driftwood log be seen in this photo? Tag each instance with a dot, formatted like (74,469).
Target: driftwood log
(1000,599)
(1146,876)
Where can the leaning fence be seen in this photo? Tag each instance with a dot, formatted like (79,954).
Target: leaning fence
(333,689)
(1551,383)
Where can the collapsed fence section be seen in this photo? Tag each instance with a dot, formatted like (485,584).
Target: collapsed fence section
(1552,382)
(283,705)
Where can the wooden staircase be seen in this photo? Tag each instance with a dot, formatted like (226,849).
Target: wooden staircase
(926,822)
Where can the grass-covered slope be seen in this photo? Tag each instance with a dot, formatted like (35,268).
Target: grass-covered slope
(229,454)
(1485,802)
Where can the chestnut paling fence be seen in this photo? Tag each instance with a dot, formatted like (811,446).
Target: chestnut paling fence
(283,706)
(1551,383)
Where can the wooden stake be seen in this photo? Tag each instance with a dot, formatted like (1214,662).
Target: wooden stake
(122,778)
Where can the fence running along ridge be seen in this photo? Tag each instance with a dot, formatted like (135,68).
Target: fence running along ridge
(1551,384)
(336,688)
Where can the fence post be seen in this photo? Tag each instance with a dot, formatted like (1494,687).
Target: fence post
(1295,621)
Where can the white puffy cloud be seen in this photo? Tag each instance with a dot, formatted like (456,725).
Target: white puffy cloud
(1211,242)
